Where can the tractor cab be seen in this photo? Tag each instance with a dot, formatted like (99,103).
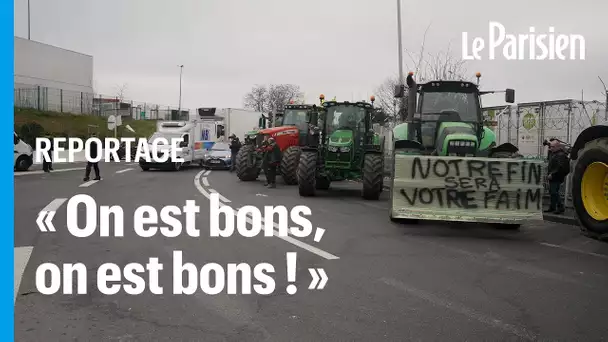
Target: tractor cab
(447,120)
(346,127)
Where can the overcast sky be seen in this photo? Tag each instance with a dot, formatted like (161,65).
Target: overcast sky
(342,48)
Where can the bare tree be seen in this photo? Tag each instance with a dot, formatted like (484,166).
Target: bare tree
(273,98)
(257,98)
(426,66)
(280,95)
(121,90)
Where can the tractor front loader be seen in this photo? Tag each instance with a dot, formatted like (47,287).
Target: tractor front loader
(447,167)
(344,147)
(589,181)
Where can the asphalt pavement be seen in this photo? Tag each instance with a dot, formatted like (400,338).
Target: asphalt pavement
(387,281)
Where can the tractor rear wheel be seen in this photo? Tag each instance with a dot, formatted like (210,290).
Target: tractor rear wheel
(307,173)
(373,176)
(289,165)
(590,189)
(246,167)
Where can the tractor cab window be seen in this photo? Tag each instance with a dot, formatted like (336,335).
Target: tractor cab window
(450,106)
(344,117)
(295,117)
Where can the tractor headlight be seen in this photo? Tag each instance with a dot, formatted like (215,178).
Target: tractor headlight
(332,149)
(345,149)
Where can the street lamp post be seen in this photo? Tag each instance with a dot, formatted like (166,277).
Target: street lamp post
(400,47)
(400,43)
(179,109)
(28,21)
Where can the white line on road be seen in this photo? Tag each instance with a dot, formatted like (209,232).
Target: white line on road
(603,256)
(289,239)
(55,204)
(491,321)
(222,198)
(205,181)
(87,184)
(39,172)
(22,256)
(125,170)
(206,173)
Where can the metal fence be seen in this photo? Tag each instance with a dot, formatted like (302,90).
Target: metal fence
(527,125)
(73,102)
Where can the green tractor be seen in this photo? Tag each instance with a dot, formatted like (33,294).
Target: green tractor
(447,167)
(344,147)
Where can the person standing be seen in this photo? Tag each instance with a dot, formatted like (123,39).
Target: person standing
(47,166)
(93,153)
(235,146)
(557,170)
(273,160)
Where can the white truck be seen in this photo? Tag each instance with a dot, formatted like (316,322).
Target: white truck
(191,149)
(220,123)
(23,154)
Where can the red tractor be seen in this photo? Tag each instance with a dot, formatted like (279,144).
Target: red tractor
(290,132)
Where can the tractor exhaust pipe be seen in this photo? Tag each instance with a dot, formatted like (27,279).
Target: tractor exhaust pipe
(411,97)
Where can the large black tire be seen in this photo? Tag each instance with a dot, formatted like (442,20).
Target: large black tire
(307,174)
(594,151)
(373,176)
(246,168)
(289,165)
(23,163)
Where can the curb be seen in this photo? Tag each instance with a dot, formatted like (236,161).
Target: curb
(569,220)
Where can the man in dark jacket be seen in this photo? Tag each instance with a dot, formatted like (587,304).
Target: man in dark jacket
(235,146)
(273,160)
(47,166)
(93,153)
(558,169)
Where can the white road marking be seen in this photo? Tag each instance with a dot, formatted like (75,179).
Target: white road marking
(39,172)
(54,205)
(22,256)
(205,181)
(603,256)
(289,239)
(491,321)
(125,170)
(222,198)
(206,173)
(87,184)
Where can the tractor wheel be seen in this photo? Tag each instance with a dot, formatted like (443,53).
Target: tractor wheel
(307,173)
(590,189)
(246,168)
(289,165)
(373,176)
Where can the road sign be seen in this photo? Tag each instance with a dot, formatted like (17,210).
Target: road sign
(112,122)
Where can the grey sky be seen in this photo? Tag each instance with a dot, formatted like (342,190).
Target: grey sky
(341,48)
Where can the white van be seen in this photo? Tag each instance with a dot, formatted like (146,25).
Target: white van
(191,148)
(23,154)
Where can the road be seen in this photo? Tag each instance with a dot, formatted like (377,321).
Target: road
(387,281)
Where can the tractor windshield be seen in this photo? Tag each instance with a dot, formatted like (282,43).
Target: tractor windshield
(294,117)
(347,117)
(453,106)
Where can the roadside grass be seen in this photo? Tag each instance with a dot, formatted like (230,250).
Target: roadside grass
(77,125)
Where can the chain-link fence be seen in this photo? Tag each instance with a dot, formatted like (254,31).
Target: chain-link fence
(527,125)
(73,102)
